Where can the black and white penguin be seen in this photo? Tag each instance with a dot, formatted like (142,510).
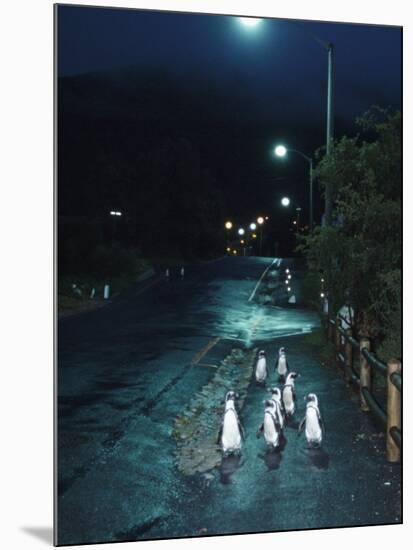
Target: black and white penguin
(277,398)
(231,432)
(261,367)
(288,394)
(270,426)
(313,422)
(282,365)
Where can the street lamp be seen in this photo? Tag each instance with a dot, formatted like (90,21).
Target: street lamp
(253,226)
(285,201)
(281,151)
(260,220)
(241,231)
(228,225)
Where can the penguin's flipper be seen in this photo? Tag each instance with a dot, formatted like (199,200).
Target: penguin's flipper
(322,424)
(241,429)
(301,426)
(260,430)
(220,433)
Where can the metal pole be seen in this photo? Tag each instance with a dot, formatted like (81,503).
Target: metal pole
(311,196)
(330,129)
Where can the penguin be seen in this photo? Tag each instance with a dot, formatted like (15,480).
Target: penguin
(270,426)
(261,367)
(282,365)
(279,407)
(313,422)
(231,432)
(288,394)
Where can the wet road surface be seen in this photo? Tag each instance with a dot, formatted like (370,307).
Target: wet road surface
(128,370)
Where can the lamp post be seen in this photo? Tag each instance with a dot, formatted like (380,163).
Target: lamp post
(281,151)
(260,222)
(329,48)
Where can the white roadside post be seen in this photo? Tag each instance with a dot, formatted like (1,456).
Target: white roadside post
(106,290)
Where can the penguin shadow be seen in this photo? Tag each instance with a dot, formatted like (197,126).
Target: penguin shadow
(318,458)
(272,458)
(290,422)
(229,465)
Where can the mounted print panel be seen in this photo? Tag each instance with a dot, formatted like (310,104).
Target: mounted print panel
(228,275)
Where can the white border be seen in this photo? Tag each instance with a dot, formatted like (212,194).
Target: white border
(26,253)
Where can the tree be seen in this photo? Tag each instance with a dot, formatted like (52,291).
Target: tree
(360,254)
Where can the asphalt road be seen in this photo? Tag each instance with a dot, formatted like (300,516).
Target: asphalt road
(128,370)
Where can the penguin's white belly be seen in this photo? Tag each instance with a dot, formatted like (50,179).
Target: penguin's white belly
(282,366)
(313,432)
(261,370)
(288,399)
(270,433)
(231,437)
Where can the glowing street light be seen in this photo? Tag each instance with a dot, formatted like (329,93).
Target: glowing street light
(241,231)
(115,213)
(287,270)
(249,21)
(280,151)
(260,220)
(228,225)
(289,289)
(253,226)
(285,201)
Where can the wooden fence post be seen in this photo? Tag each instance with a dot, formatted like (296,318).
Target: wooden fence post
(365,374)
(348,355)
(337,340)
(393,411)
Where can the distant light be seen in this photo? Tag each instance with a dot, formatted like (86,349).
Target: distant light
(322,295)
(234,252)
(286,281)
(280,151)
(295,222)
(285,201)
(266,217)
(253,226)
(260,220)
(228,225)
(322,280)
(287,270)
(228,249)
(241,231)
(289,289)
(249,21)
(242,241)
(254,236)
(115,213)
(288,276)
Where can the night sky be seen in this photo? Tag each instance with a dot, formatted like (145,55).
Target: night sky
(274,74)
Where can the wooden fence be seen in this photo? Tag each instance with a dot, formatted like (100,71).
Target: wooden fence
(347,351)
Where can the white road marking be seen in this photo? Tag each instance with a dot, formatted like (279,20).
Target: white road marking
(276,260)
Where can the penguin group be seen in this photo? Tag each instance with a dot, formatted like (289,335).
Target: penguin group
(278,409)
